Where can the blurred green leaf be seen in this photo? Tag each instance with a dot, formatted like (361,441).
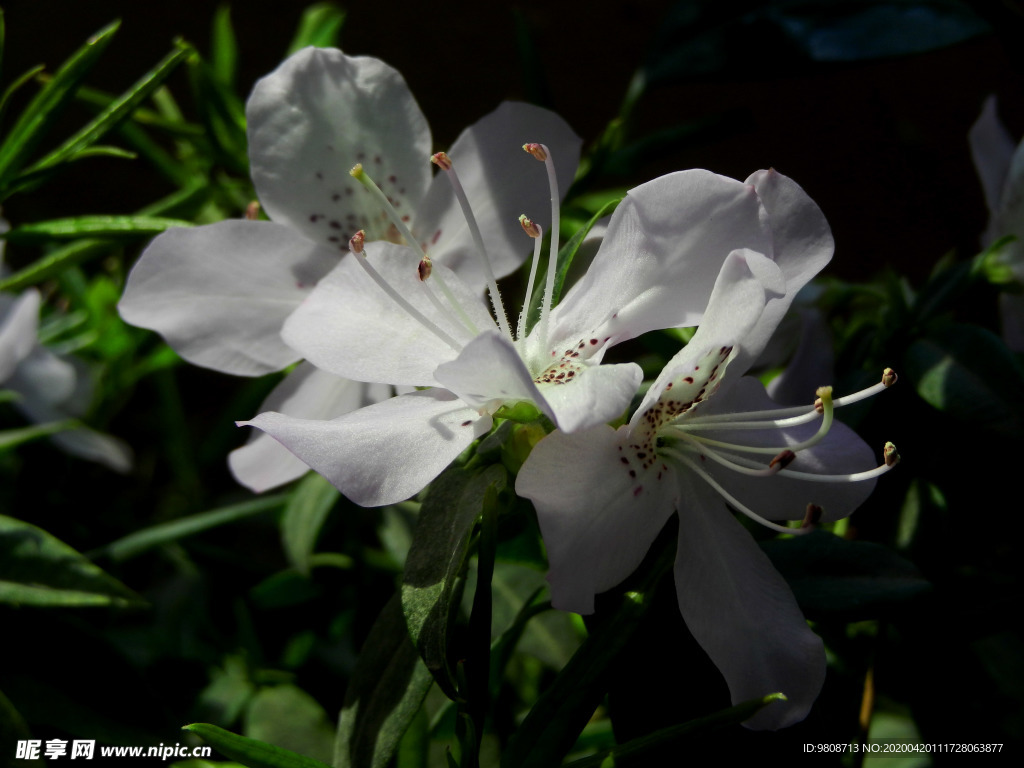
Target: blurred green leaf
(39,569)
(439,550)
(222,115)
(250,752)
(561,712)
(319,25)
(304,516)
(138,542)
(635,748)
(833,577)
(118,111)
(384,695)
(223,46)
(9,438)
(967,372)
(42,111)
(288,717)
(11,89)
(91,226)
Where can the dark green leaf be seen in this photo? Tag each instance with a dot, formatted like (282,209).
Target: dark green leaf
(304,516)
(11,89)
(562,711)
(91,226)
(439,550)
(384,695)
(288,717)
(9,438)
(39,569)
(967,372)
(678,733)
(165,533)
(250,752)
(319,25)
(832,577)
(118,111)
(222,115)
(42,111)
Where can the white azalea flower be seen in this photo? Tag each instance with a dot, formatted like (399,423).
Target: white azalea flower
(376,320)
(220,293)
(702,438)
(49,389)
(999,161)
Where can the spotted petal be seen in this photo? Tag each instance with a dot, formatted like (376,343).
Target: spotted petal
(597,520)
(316,116)
(219,293)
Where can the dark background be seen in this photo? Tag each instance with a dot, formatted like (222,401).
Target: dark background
(879,144)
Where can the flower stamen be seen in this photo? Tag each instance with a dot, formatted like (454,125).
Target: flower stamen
(541,152)
(535,231)
(442,161)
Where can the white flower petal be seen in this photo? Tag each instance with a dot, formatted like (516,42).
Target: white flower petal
(316,116)
(45,378)
(742,612)
(803,245)
(812,362)
(501,182)
(219,293)
(383,453)
(352,328)
(489,369)
(743,288)
(661,255)
(19,323)
(599,393)
(305,393)
(597,521)
(992,150)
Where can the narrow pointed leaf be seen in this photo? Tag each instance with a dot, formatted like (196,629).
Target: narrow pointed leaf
(37,568)
(439,550)
(384,695)
(42,111)
(138,542)
(250,752)
(9,438)
(91,226)
(320,26)
(224,46)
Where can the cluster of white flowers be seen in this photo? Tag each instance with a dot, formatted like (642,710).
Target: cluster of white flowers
(377,273)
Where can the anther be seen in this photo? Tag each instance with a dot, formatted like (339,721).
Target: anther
(782,461)
(357,171)
(252,210)
(812,516)
(536,150)
(424,268)
(355,243)
(822,393)
(889,377)
(533,230)
(442,161)
(892,456)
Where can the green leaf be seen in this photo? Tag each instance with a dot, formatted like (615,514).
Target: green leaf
(115,113)
(304,516)
(223,46)
(250,752)
(39,569)
(11,89)
(677,733)
(967,372)
(91,226)
(222,115)
(319,25)
(43,110)
(834,578)
(384,695)
(288,717)
(562,711)
(9,438)
(439,550)
(138,542)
